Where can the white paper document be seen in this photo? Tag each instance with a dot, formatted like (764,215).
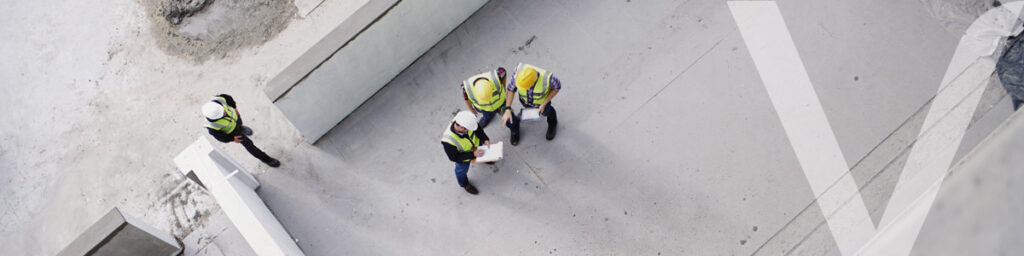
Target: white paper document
(491,153)
(530,114)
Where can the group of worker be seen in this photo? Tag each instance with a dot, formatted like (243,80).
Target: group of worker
(490,94)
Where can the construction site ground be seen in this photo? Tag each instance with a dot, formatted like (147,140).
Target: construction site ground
(668,142)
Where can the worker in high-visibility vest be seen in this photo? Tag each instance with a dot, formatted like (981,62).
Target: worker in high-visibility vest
(224,123)
(485,94)
(460,141)
(536,87)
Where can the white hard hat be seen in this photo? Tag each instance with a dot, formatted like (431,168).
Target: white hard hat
(213,110)
(466,119)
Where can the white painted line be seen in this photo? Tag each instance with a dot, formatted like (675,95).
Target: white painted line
(943,130)
(791,92)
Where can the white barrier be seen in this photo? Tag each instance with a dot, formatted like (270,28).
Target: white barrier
(234,188)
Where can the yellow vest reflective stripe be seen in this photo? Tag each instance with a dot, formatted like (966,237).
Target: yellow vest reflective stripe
(462,144)
(497,98)
(540,89)
(227,123)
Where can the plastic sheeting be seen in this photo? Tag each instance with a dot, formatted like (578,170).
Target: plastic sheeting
(1011,68)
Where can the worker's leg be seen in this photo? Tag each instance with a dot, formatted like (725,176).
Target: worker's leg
(1016,103)
(513,127)
(256,152)
(485,118)
(461,173)
(549,112)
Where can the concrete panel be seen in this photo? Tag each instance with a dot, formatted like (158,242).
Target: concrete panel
(357,71)
(366,12)
(118,234)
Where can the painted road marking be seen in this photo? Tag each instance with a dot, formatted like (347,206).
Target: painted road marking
(791,92)
(943,130)
(774,53)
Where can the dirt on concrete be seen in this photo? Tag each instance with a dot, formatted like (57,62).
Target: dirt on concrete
(204,29)
(957,15)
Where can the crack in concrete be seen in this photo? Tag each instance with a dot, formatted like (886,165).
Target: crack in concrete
(684,71)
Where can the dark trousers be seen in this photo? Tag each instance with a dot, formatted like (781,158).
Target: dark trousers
(549,112)
(486,117)
(256,152)
(462,173)
(1016,102)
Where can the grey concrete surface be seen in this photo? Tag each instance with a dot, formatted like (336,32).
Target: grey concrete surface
(978,209)
(667,144)
(94,112)
(216,237)
(667,140)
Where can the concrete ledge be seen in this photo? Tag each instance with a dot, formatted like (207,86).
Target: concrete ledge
(119,234)
(328,46)
(317,100)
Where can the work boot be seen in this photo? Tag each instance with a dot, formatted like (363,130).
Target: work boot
(471,189)
(246,131)
(274,163)
(551,131)
(514,140)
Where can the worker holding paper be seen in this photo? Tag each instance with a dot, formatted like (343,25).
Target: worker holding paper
(485,93)
(460,141)
(536,88)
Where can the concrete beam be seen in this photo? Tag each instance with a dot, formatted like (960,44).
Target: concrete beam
(234,188)
(320,96)
(118,234)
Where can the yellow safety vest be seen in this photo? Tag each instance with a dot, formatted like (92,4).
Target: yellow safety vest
(467,144)
(227,123)
(497,98)
(540,89)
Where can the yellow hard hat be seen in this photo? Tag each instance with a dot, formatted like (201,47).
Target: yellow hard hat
(483,89)
(526,78)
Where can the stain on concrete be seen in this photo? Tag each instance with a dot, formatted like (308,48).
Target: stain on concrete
(175,10)
(204,29)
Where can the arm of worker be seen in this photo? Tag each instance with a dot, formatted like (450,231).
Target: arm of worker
(229,100)
(486,141)
(454,155)
(231,103)
(220,136)
(469,105)
(483,136)
(556,85)
(547,100)
(508,106)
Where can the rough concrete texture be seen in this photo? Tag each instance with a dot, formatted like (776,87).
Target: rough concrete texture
(201,29)
(668,142)
(176,10)
(216,237)
(94,113)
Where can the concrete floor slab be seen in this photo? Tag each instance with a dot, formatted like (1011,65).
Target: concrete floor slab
(667,143)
